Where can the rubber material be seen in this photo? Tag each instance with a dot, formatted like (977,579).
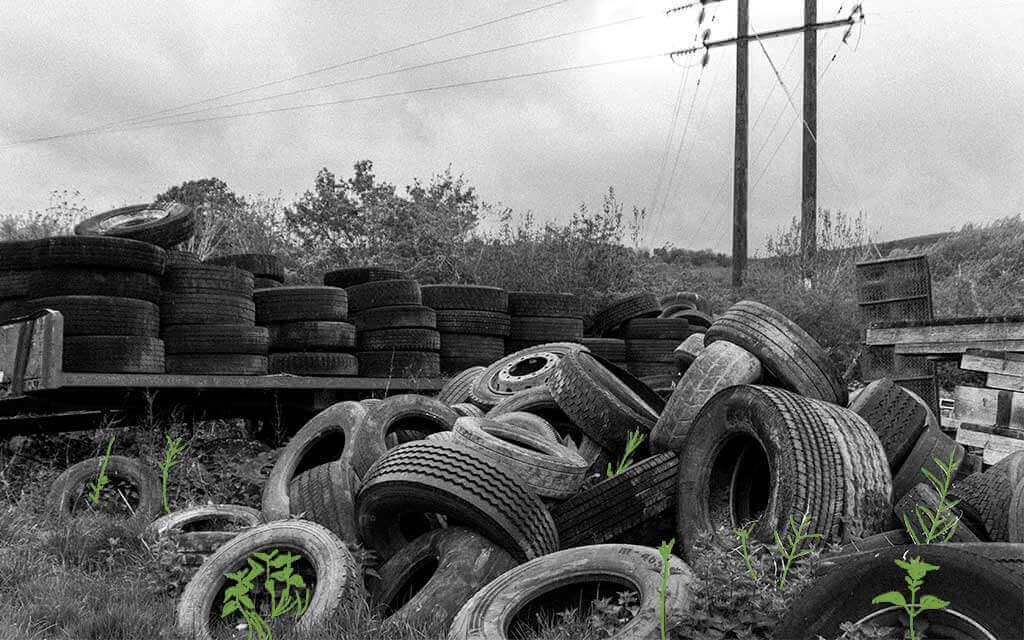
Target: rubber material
(313,363)
(193,517)
(101,315)
(399,364)
(103,252)
(456,389)
(548,305)
(470,297)
(485,348)
(662,351)
(641,305)
(519,371)
(208,278)
(383,293)
(70,484)
(163,224)
(215,338)
(671,329)
(324,494)
(925,495)
(359,275)
(297,304)
(260,265)
(43,283)
(400,340)
(895,415)
(113,354)
(931,444)
(688,351)
(227,364)
(312,335)
(206,308)
(477,323)
(611,349)
(395,317)
(406,411)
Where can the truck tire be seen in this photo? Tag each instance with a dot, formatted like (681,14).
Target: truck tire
(482,348)
(113,354)
(223,364)
(530,422)
(101,315)
(327,437)
(896,417)
(163,224)
(410,316)
(540,329)
(456,390)
(68,486)
(787,353)
(477,323)
(312,335)
(400,340)
(180,258)
(669,329)
(260,265)
(207,514)
(18,255)
(611,349)
(994,601)
(208,279)
(548,305)
(688,351)
(762,453)
(350,276)
(383,293)
(324,494)
(337,574)
(988,495)
(613,506)
(101,252)
(44,283)
(720,365)
(298,304)
(401,412)
(468,297)
(445,478)
(399,364)
(931,444)
(206,308)
(313,363)
(641,305)
(519,371)
(215,338)
(643,350)
(426,583)
(466,410)
(925,495)
(1015,520)
(489,614)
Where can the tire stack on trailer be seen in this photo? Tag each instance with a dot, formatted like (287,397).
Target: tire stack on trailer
(15,268)
(473,322)
(267,270)
(309,330)
(396,333)
(538,317)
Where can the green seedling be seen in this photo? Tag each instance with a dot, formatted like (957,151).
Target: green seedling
(744,537)
(941,524)
(636,438)
(916,570)
(172,456)
(288,591)
(666,551)
(794,539)
(101,479)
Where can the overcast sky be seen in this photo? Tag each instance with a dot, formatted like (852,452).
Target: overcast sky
(921,123)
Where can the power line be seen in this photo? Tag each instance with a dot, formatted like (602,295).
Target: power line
(660,176)
(304,74)
(393,94)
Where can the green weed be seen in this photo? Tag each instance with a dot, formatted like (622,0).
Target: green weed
(795,539)
(916,570)
(666,552)
(172,457)
(277,568)
(636,438)
(942,523)
(101,479)
(744,537)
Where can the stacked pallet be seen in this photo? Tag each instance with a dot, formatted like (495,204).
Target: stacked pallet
(473,322)
(991,418)
(308,329)
(267,270)
(397,333)
(539,318)
(208,317)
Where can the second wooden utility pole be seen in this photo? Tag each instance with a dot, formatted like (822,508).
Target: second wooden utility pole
(739,184)
(809,191)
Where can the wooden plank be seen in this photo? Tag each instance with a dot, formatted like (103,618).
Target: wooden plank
(1002,363)
(995,446)
(954,349)
(31,351)
(979,332)
(988,406)
(1008,383)
(268,382)
(63,421)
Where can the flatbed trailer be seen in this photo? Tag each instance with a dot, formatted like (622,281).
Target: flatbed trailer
(37,395)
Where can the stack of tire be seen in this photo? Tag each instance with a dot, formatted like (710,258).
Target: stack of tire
(208,320)
(309,331)
(642,349)
(396,333)
(107,289)
(538,317)
(267,270)
(651,344)
(689,306)
(473,322)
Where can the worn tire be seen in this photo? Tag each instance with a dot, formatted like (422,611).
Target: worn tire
(206,308)
(611,349)
(466,410)
(209,279)
(661,351)
(400,340)
(464,562)
(530,422)
(215,338)
(325,494)
(477,323)
(547,468)
(43,283)
(18,255)
(260,265)
(764,453)
(383,293)
(613,506)
(103,252)
(924,495)
(445,478)
(721,365)
(456,389)
(484,349)
(1015,519)
(669,329)
(406,411)
(995,597)
(337,574)
(519,371)
(101,315)
(988,495)
(410,316)
(469,297)
(642,370)
(535,328)
(298,304)
(787,353)
(180,258)
(895,415)
(399,364)
(162,224)
(224,364)
(688,351)
(193,517)
(931,444)
(360,275)
(113,354)
(312,335)
(68,486)
(328,437)
(489,614)
(548,305)
(641,305)
(313,363)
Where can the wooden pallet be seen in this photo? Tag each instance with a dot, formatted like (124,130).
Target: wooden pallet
(950,338)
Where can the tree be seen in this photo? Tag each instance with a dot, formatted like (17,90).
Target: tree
(203,194)
(220,215)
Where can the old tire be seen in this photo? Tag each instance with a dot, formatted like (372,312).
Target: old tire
(720,365)
(477,323)
(541,329)
(688,350)
(528,422)
(383,293)
(224,364)
(402,412)
(670,329)
(522,370)
(162,224)
(641,305)
(895,415)
(325,494)
(549,305)
(360,275)
(988,495)
(101,315)
(337,575)
(192,519)
(611,349)
(113,354)
(489,614)
(313,363)
(431,476)
(761,453)
(400,340)
(1015,519)
(787,353)
(68,486)
(931,444)
(104,252)
(465,410)
(298,304)
(209,279)
(456,390)
(312,335)
(215,338)
(408,316)
(327,437)
(924,495)
(206,308)
(469,297)
(616,505)
(91,282)
(260,265)
(399,364)
(462,562)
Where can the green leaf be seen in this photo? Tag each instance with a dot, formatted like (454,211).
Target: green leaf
(931,476)
(229,608)
(931,602)
(297,581)
(246,602)
(890,597)
(910,529)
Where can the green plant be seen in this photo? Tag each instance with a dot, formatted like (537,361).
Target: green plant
(101,479)
(795,538)
(942,523)
(277,568)
(636,438)
(172,457)
(916,570)
(744,537)
(666,551)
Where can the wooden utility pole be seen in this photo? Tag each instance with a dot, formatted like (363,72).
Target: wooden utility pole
(809,200)
(739,183)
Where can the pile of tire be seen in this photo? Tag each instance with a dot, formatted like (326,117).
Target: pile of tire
(309,330)
(208,318)
(108,290)
(651,343)
(472,321)
(267,270)
(688,306)
(539,317)
(396,333)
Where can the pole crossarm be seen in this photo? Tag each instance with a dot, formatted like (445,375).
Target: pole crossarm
(831,24)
